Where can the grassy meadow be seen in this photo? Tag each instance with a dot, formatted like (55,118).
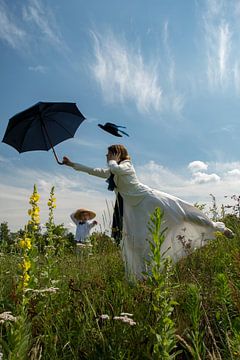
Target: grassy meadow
(62,302)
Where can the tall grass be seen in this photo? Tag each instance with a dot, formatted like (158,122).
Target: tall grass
(81,306)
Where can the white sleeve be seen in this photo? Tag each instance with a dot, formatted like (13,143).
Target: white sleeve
(73,218)
(102,173)
(120,169)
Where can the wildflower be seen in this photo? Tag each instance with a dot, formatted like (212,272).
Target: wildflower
(26,264)
(104,317)
(7,316)
(126,314)
(125,319)
(42,291)
(35,197)
(25,243)
(25,277)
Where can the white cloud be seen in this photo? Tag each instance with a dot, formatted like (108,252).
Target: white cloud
(197,166)
(123,75)
(158,176)
(203,178)
(43,18)
(172,100)
(221,32)
(234,173)
(218,40)
(9,30)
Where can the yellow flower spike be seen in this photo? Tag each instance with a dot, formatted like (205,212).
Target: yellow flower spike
(36,197)
(26,279)
(28,243)
(26,264)
(22,243)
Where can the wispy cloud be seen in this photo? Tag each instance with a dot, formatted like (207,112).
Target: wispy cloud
(38,68)
(37,21)
(43,18)
(174,100)
(10,32)
(218,44)
(221,32)
(124,75)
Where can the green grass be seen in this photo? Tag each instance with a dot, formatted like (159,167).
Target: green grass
(68,325)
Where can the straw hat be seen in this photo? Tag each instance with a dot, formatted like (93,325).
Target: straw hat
(79,212)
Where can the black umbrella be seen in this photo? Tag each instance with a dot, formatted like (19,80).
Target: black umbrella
(42,126)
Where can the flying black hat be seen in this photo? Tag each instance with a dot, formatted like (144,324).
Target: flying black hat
(113,129)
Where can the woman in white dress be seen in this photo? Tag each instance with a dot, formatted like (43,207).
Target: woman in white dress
(187,227)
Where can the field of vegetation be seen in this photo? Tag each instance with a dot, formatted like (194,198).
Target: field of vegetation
(62,302)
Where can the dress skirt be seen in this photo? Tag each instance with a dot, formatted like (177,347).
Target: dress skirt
(187,229)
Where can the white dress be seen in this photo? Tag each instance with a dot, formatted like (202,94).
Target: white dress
(187,227)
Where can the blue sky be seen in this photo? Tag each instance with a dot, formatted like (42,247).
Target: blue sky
(168,70)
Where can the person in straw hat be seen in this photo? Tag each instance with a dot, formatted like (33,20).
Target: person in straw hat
(81,219)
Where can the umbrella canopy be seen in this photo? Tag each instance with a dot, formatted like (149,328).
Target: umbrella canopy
(42,126)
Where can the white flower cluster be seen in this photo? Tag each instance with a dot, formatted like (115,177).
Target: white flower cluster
(124,317)
(41,291)
(7,316)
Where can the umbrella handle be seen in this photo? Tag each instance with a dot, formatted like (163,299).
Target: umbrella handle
(54,152)
(59,162)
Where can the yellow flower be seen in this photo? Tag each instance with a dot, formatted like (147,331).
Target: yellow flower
(36,197)
(28,243)
(49,203)
(22,243)
(54,206)
(26,279)
(29,212)
(26,264)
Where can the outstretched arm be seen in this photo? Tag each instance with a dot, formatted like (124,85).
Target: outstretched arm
(73,218)
(102,173)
